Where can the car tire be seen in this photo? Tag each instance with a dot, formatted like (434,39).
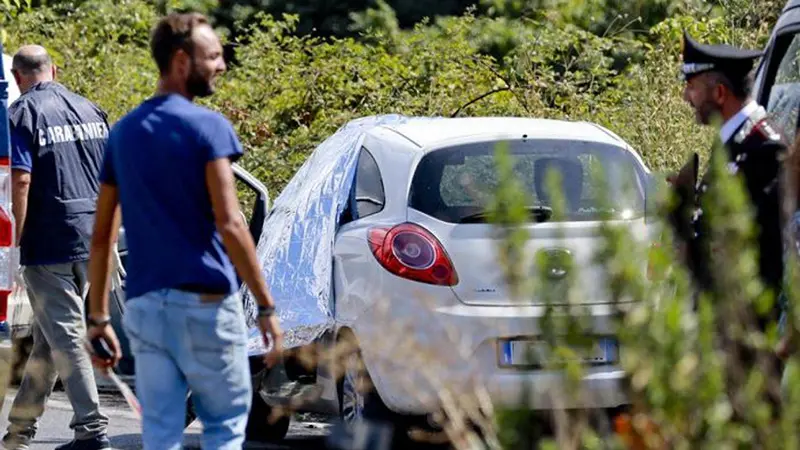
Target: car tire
(20,350)
(354,377)
(358,400)
(261,427)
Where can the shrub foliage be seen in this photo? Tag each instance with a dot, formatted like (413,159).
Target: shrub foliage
(288,90)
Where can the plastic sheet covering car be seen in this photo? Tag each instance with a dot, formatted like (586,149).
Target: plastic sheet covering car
(295,248)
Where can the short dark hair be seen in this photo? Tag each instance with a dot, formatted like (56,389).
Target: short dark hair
(740,85)
(173,33)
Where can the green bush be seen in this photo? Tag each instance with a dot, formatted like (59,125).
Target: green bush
(690,382)
(288,91)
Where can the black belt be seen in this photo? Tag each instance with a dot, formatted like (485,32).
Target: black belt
(196,288)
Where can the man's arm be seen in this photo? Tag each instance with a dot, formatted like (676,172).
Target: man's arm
(21,167)
(235,233)
(20,185)
(106,229)
(241,249)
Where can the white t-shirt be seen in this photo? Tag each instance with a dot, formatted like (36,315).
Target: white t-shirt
(13,90)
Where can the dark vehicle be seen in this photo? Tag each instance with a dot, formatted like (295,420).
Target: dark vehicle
(255,199)
(777,82)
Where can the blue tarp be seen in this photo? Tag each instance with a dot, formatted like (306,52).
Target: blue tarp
(296,245)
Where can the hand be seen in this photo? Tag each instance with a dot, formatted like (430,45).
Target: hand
(106,333)
(271,331)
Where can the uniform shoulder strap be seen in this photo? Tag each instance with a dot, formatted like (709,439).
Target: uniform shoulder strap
(766,130)
(757,124)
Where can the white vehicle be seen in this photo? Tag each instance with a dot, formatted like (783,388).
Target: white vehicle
(382,240)
(13,90)
(14,307)
(19,312)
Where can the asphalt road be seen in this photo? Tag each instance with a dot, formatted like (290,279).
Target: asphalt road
(305,433)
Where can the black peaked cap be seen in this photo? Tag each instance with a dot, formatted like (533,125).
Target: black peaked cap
(732,61)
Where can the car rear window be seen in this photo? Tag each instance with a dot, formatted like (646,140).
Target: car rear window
(456,184)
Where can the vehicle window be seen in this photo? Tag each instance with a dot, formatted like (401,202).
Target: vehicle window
(784,97)
(247,198)
(369,195)
(253,204)
(457,184)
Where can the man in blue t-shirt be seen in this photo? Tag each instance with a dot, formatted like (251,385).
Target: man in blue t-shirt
(58,139)
(168,166)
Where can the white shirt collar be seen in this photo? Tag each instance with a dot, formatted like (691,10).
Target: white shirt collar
(735,122)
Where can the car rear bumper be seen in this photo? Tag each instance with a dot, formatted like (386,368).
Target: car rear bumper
(597,388)
(454,349)
(600,388)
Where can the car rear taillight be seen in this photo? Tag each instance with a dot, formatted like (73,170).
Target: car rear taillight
(8,258)
(412,252)
(8,254)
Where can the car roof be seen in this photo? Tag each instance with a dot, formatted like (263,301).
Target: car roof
(791,4)
(434,133)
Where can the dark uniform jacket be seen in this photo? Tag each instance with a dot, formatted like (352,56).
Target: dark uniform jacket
(60,137)
(755,152)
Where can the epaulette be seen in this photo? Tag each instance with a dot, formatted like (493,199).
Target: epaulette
(757,123)
(750,125)
(766,130)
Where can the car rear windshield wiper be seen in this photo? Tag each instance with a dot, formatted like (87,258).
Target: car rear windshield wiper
(538,214)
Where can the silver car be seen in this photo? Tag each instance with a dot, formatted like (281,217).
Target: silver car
(382,240)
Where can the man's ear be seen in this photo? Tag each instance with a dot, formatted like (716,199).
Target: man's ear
(16,76)
(181,62)
(721,93)
(54,70)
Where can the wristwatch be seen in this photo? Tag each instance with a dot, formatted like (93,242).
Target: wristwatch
(98,323)
(265,311)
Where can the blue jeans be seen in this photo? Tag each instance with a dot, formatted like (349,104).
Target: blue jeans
(180,342)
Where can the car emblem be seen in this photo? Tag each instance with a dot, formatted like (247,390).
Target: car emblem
(557,262)
(485,290)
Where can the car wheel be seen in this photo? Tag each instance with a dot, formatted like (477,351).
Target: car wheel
(359,401)
(21,351)
(352,391)
(261,427)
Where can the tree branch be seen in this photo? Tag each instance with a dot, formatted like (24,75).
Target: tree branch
(505,80)
(479,98)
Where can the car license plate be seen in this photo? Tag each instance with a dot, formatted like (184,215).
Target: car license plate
(538,353)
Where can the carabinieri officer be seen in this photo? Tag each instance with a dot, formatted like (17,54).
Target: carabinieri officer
(58,139)
(718,83)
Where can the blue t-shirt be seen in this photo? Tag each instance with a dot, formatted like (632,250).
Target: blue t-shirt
(157,156)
